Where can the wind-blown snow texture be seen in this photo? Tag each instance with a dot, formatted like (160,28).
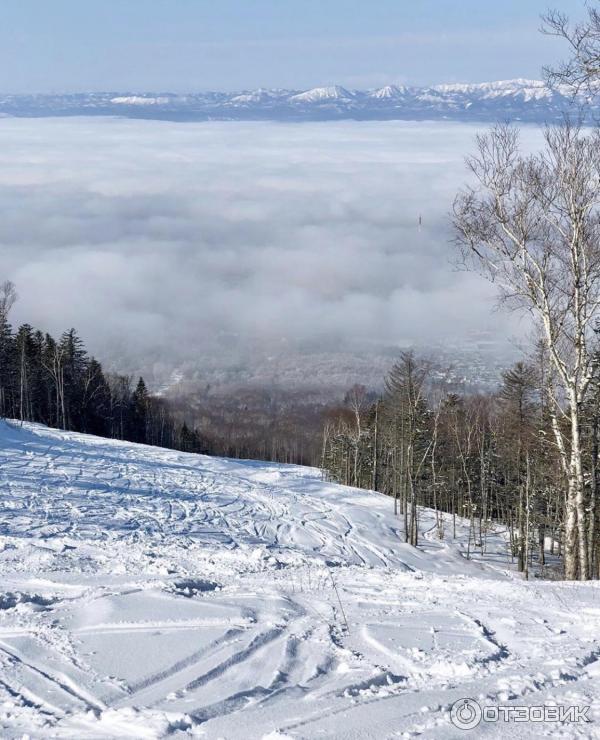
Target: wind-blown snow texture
(148,593)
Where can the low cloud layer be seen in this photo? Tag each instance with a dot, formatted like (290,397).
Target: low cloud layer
(156,238)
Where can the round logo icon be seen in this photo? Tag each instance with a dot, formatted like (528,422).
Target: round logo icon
(465,714)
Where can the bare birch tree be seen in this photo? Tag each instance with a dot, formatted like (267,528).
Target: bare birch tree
(531,224)
(8,296)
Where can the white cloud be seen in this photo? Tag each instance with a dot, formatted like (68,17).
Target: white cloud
(160,236)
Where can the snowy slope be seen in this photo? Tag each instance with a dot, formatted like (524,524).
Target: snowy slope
(148,593)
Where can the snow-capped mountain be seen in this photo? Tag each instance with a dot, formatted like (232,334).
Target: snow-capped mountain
(260,96)
(322,95)
(520,99)
(526,90)
(142,100)
(389,92)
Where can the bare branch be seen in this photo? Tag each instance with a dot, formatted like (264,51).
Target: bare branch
(8,296)
(582,70)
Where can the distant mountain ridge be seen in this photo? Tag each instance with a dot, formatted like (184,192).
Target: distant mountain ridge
(520,99)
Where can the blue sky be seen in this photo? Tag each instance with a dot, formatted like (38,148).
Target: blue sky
(186,45)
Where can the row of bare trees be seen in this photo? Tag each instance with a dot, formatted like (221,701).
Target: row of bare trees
(488,458)
(530,223)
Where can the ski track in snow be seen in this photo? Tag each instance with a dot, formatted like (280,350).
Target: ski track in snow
(147,593)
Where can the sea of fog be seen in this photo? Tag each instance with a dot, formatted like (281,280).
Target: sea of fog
(159,239)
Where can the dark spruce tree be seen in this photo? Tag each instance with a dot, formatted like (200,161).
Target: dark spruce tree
(57,383)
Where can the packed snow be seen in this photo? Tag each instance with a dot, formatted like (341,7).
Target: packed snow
(149,593)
